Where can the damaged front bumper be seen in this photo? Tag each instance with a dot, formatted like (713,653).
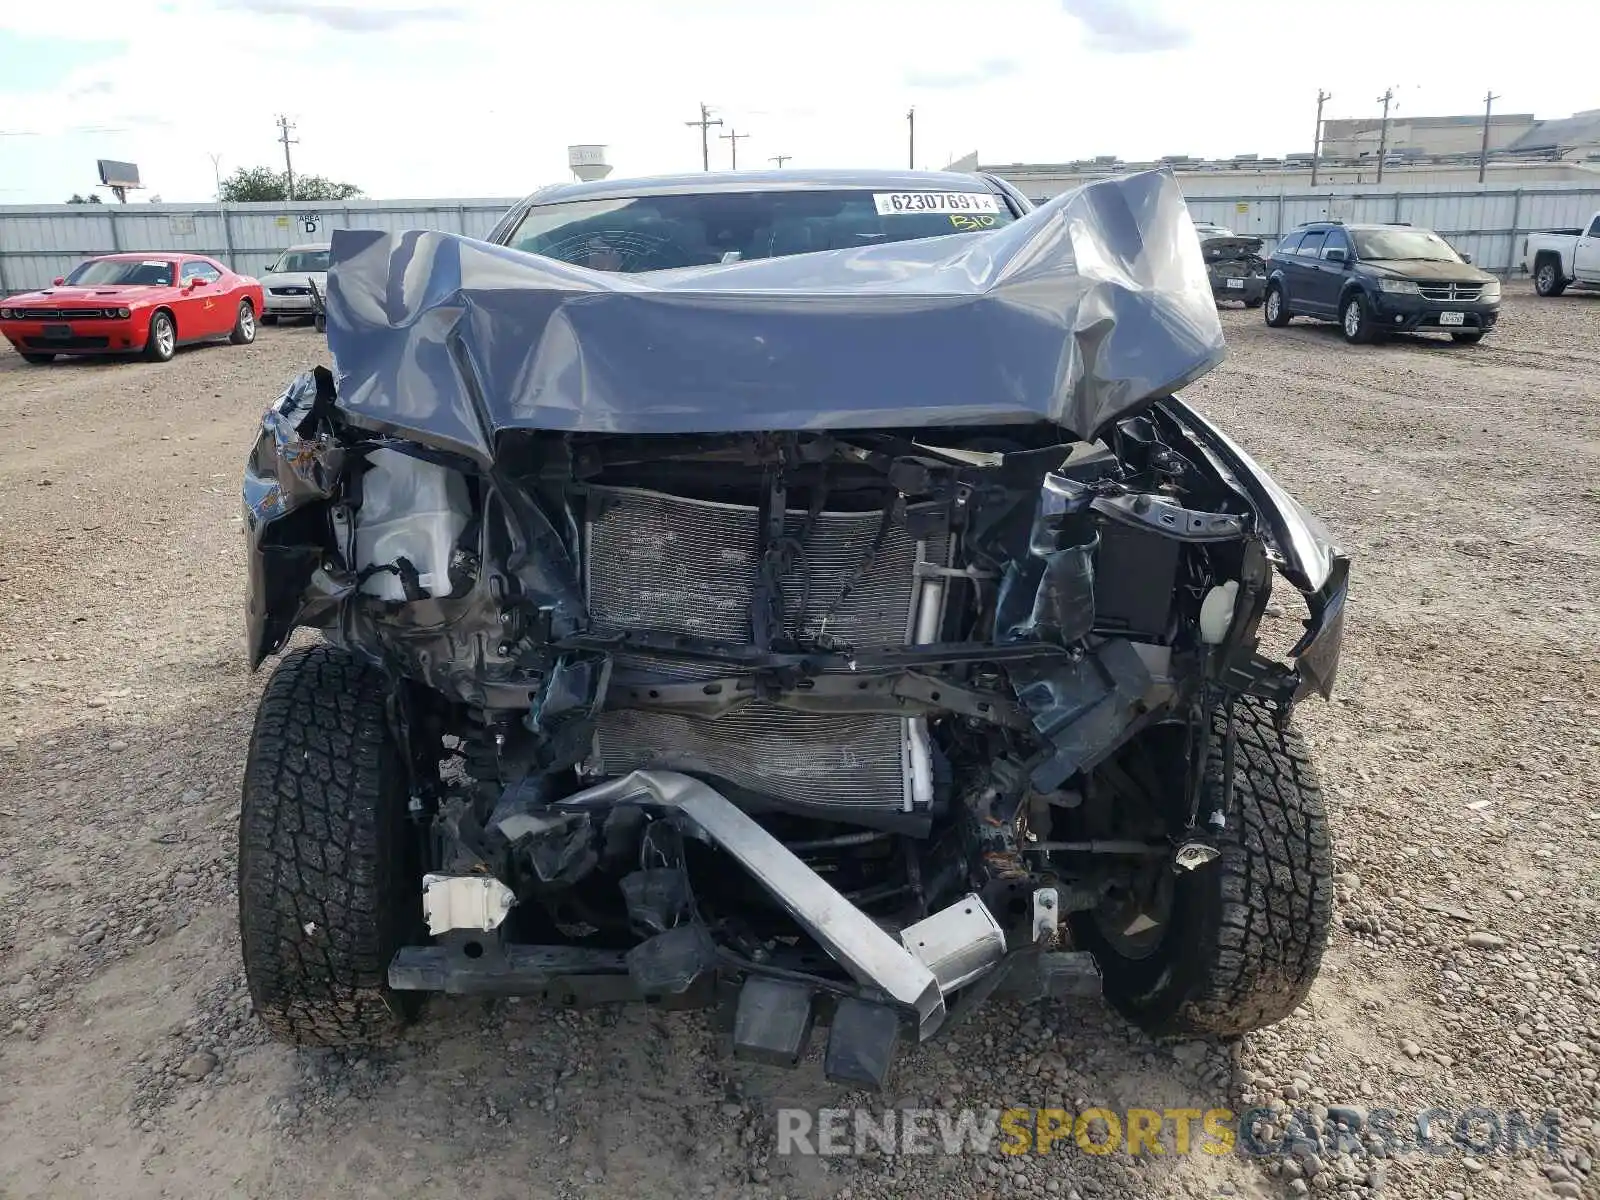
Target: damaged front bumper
(900,988)
(1249,288)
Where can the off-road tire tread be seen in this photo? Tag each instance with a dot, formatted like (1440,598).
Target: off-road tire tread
(321,829)
(1247,944)
(1277,883)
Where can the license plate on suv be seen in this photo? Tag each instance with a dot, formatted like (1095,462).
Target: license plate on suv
(1236,283)
(1452,318)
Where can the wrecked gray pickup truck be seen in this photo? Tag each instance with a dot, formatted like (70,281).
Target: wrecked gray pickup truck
(826,611)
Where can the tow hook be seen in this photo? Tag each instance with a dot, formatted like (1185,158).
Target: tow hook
(1193,854)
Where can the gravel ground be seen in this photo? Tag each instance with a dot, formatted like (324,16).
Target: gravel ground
(1461,757)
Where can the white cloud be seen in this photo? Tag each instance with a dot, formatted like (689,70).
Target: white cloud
(1126,26)
(348,18)
(476,98)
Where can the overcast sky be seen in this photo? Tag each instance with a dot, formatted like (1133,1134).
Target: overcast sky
(419,98)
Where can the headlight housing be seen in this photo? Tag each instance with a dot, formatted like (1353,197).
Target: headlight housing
(1491,291)
(124,312)
(1402,286)
(5,314)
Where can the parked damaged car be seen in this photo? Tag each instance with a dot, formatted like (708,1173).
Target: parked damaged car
(800,594)
(1234,264)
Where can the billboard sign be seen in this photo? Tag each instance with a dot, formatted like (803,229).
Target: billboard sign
(118,174)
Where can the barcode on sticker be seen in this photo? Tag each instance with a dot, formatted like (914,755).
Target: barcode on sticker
(894,204)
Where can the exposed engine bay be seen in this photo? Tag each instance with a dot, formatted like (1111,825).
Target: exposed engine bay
(1235,265)
(856,721)
(905,662)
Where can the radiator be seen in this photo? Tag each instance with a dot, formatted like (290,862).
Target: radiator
(660,562)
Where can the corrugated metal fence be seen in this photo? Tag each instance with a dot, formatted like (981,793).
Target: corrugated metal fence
(1488,223)
(39,243)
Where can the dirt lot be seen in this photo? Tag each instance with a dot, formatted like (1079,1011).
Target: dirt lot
(1461,757)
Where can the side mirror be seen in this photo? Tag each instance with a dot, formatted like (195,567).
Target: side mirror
(58,281)
(1338,255)
(1466,258)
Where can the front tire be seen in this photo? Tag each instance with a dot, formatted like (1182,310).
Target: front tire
(1355,320)
(1471,338)
(1277,307)
(244,325)
(268,318)
(329,871)
(161,343)
(1547,278)
(1244,934)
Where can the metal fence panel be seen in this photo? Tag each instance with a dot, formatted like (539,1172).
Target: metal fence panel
(39,243)
(1488,224)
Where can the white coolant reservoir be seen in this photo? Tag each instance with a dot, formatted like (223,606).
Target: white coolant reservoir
(411,510)
(1216,612)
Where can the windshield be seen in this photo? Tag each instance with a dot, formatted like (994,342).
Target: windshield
(155,272)
(300,260)
(1395,244)
(656,233)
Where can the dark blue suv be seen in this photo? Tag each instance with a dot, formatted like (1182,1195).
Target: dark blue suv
(1379,279)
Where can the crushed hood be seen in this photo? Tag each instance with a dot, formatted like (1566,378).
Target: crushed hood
(1079,313)
(1229,247)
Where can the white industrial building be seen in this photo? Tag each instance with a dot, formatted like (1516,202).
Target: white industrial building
(1422,154)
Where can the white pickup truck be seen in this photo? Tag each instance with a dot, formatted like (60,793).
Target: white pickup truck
(1562,258)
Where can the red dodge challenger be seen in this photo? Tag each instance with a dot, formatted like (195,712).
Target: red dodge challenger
(133,303)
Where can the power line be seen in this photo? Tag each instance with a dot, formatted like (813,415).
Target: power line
(284,127)
(1483,156)
(1316,142)
(911,137)
(732,138)
(705,123)
(780,159)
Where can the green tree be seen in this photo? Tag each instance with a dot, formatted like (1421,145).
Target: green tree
(263,183)
(91,198)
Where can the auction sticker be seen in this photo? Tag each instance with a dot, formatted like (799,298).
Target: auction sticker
(892,204)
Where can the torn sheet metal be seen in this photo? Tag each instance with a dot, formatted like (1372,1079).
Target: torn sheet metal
(855,941)
(295,465)
(1078,313)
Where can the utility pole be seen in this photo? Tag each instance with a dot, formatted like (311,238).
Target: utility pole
(1316,142)
(705,123)
(911,137)
(780,159)
(1383,135)
(732,138)
(216,172)
(1483,156)
(284,127)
